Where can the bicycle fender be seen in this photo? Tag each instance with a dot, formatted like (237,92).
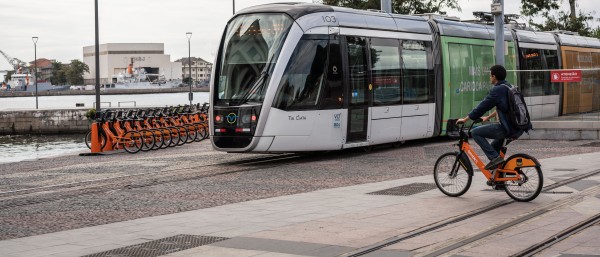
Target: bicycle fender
(465,163)
(521,160)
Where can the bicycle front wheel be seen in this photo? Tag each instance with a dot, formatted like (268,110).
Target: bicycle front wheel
(452,182)
(133,141)
(88,140)
(528,187)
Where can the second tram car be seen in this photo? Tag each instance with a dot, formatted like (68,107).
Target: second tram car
(295,77)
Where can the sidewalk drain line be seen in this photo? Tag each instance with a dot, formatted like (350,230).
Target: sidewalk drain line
(406,190)
(161,246)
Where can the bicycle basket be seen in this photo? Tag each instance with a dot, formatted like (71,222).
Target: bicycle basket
(452,129)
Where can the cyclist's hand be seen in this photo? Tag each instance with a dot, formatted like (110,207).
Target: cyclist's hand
(486,118)
(461,121)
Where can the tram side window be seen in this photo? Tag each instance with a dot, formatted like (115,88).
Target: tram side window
(333,91)
(415,73)
(303,77)
(532,81)
(551,57)
(385,65)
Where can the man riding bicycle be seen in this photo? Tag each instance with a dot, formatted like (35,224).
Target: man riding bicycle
(497,97)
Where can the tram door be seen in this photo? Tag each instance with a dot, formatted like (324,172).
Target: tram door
(358,89)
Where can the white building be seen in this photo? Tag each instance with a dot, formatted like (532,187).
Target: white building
(201,70)
(115,57)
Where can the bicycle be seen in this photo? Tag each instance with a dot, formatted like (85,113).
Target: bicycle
(520,175)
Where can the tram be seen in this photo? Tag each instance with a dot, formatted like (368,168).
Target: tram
(293,77)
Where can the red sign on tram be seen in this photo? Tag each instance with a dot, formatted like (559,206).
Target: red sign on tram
(565,75)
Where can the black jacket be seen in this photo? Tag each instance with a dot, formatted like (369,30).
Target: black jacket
(497,97)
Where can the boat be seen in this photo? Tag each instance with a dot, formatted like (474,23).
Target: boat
(138,78)
(25,82)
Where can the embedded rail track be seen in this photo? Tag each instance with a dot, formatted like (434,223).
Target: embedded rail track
(36,195)
(438,225)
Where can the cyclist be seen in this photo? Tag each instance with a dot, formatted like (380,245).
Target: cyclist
(497,97)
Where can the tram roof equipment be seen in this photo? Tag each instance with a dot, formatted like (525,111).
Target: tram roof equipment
(575,40)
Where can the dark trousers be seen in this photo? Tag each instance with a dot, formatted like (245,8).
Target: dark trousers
(492,131)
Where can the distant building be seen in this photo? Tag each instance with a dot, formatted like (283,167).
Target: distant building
(115,58)
(44,68)
(201,70)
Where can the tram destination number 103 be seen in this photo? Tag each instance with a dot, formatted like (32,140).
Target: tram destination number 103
(329,19)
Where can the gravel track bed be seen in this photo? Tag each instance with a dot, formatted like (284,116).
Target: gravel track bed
(188,190)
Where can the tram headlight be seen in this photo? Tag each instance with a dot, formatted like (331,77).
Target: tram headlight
(218,119)
(246,118)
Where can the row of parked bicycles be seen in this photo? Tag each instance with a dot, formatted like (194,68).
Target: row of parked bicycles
(137,130)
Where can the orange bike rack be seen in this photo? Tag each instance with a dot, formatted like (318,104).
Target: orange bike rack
(95,139)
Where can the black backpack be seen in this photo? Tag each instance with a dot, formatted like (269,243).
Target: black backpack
(518,114)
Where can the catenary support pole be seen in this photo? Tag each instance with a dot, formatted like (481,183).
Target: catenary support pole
(386,6)
(498,11)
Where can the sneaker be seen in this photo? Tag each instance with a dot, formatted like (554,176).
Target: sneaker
(495,162)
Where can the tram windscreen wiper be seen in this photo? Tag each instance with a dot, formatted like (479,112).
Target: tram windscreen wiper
(257,86)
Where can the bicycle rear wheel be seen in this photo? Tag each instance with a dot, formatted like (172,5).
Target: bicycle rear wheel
(528,187)
(452,182)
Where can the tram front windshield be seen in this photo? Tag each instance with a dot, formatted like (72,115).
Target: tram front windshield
(252,44)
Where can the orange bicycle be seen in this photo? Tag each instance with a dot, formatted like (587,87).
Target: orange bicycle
(520,175)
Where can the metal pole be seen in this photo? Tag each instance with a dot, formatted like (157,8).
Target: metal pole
(97,54)
(190,95)
(233,6)
(35,77)
(386,6)
(499,28)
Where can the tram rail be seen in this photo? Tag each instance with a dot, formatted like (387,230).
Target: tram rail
(438,225)
(36,195)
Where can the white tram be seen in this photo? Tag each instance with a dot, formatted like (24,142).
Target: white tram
(305,77)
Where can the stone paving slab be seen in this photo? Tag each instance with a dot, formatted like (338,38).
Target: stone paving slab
(328,220)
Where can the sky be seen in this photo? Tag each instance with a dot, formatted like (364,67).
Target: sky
(64,27)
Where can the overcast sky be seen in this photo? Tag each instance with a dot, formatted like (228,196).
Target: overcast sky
(64,27)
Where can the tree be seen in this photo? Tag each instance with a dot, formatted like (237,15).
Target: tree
(74,73)
(59,76)
(557,18)
(9,76)
(399,6)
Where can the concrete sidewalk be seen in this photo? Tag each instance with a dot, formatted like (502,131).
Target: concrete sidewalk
(336,221)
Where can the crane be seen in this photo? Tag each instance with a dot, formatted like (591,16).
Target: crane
(15,62)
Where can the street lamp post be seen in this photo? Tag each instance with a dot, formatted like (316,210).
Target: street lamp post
(190,96)
(35,77)
(97,56)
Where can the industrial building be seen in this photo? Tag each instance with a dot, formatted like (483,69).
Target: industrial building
(116,57)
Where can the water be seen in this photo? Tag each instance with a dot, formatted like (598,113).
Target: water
(31,147)
(107,101)
(26,147)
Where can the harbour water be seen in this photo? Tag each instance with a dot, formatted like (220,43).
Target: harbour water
(107,101)
(32,147)
(29,147)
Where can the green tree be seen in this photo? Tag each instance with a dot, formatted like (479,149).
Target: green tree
(74,72)
(399,6)
(556,18)
(9,76)
(59,76)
